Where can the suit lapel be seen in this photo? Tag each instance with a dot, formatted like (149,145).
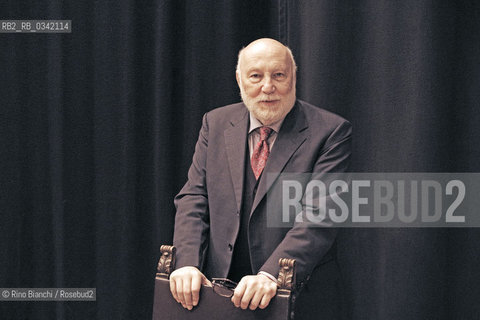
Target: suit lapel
(292,134)
(235,141)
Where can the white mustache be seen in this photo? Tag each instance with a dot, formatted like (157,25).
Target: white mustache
(269,98)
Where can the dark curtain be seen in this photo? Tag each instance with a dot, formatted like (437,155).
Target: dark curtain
(97,130)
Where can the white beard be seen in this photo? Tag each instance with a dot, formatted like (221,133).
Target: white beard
(268,115)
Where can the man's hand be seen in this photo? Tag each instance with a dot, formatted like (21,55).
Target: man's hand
(254,291)
(185,286)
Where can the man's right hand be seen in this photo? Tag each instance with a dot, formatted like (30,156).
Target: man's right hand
(185,284)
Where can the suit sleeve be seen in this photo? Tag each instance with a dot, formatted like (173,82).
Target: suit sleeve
(192,215)
(307,242)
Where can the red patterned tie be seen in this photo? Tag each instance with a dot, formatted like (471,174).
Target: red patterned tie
(261,152)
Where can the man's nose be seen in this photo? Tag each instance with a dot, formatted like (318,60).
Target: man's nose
(268,86)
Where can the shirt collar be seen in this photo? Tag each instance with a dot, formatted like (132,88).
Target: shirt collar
(254,124)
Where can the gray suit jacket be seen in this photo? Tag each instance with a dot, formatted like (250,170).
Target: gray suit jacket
(311,140)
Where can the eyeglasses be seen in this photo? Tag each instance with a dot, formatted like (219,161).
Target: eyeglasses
(223,287)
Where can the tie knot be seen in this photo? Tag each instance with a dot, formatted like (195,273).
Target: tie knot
(265,133)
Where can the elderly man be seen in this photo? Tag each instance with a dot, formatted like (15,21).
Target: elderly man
(220,224)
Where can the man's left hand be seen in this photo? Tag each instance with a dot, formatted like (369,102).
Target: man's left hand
(254,291)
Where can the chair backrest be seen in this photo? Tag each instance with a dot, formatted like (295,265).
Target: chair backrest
(213,306)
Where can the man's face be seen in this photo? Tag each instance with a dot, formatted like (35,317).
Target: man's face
(266,78)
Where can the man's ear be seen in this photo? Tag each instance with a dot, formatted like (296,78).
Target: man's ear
(237,76)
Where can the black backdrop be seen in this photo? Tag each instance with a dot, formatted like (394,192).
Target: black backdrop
(97,130)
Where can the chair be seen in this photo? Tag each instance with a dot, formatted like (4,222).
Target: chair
(213,306)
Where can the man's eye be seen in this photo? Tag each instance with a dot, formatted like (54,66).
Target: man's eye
(255,75)
(279,75)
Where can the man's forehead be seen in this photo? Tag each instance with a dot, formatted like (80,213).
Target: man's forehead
(262,63)
(257,56)
(263,49)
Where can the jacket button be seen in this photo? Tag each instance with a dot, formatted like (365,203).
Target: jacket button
(230,247)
